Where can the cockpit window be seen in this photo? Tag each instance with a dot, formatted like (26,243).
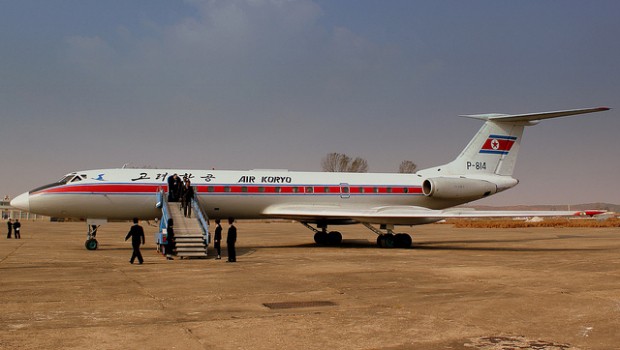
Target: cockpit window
(66,179)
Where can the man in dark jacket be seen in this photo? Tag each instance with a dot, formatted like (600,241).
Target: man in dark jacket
(137,237)
(188,196)
(171,245)
(231,239)
(17,229)
(174,187)
(10,226)
(217,239)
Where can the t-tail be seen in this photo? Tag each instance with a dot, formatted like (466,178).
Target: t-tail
(487,163)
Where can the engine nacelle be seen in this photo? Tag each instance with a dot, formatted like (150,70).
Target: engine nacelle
(457,188)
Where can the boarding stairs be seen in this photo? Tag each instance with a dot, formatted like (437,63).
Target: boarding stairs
(191,234)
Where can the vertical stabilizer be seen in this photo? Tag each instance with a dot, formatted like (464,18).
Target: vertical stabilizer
(494,149)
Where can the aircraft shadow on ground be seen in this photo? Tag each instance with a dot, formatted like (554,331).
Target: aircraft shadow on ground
(346,244)
(462,245)
(104,248)
(456,245)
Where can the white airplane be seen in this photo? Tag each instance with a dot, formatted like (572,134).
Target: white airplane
(483,168)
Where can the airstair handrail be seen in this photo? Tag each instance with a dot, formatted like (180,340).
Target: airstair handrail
(162,202)
(202,217)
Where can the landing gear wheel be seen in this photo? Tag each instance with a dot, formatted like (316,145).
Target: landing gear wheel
(334,238)
(91,244)
(386,241)
(402,240)
(321,238)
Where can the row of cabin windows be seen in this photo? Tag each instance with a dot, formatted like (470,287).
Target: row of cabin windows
(310,189)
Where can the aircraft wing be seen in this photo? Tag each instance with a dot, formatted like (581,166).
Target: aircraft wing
(399,215)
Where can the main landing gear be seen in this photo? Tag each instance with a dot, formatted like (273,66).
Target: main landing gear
(389,239)
(91,241)
(384,239)
(324,238)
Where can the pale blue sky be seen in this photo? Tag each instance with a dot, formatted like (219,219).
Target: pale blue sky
(278,84)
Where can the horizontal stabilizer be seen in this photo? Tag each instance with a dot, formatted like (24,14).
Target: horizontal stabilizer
(532,117)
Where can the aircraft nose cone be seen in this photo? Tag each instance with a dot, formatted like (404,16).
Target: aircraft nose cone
(21,202)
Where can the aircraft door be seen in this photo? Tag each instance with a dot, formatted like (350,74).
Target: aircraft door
(345,191)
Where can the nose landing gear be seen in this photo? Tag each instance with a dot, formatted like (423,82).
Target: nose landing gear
(91,241)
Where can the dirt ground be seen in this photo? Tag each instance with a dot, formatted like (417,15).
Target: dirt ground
(456,289)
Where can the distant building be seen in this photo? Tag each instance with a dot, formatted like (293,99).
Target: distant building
(5,207)
(9,212)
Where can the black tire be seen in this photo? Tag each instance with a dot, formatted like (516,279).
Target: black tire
(91,244)
(402,240)
(334,238)
(321,238)
(388,241)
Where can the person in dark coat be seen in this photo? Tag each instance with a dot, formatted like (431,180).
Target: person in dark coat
(231,239)
(171,245)
(174,187)
(188,196)
(17,229)
(137,237)
(10,226)
(217,239)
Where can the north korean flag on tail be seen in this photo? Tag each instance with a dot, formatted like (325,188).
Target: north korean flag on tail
(498,144)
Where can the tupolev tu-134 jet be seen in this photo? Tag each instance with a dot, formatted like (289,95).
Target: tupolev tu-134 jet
(485,167)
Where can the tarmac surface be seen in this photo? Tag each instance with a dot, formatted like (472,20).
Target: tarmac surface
(462,289)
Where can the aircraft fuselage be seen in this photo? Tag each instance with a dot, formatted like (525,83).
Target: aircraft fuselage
(121,194)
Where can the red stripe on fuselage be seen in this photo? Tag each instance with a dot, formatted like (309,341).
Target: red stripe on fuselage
(105,188)
(226,189)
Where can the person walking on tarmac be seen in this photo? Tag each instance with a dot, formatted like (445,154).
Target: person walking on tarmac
(10,226)
(217,239)
(231,239)
(137,237)
(17,229)
(171,241)
(188,196)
